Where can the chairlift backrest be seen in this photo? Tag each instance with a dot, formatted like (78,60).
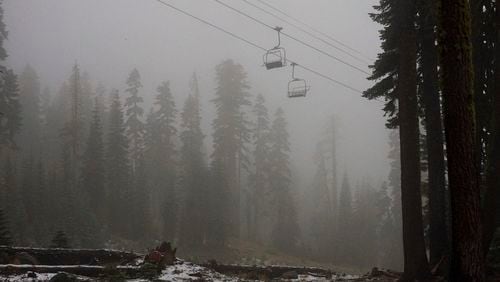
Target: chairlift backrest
(297,88)
(275,58)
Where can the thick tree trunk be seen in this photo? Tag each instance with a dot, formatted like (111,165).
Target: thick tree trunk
(416,265)
(492,203)
(467,263)
(479,67)
(438,233)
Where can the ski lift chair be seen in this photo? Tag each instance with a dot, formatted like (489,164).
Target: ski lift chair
(297,87)
(275,57)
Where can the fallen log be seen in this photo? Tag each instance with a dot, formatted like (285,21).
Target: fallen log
(81,270)
(51,256)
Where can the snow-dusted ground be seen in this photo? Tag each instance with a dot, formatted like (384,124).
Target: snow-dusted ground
(180,271)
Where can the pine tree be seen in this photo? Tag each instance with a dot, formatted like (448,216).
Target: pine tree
(193,173)
(60,241)
(467,263)
(72,132)
(438,231)
(118,168)
(161,154)
(5,235)
(259,200)
(285,228)
(10,107)
(94,168)
(491,211)
(395,70)
(134,112)
(322,213)
(231,132)
(483,38)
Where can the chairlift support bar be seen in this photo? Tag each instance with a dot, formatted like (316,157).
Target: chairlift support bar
(278,29)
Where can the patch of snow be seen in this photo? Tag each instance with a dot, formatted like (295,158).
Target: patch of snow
(186,271)
(24,277)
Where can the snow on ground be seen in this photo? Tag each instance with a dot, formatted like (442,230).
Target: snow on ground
(179,272)
(186,271)
(24,277)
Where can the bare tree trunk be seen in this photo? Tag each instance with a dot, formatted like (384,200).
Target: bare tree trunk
(492,203)
(467,263)
(416,265)
(438,233)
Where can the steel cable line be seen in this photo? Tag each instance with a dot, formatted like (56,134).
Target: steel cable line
(362,60)
(313,28)
(255,45)
(293,38)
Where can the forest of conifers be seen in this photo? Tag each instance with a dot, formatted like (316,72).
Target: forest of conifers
(91,162)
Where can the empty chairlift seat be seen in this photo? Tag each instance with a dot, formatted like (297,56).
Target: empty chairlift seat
(275,57)
(297,87)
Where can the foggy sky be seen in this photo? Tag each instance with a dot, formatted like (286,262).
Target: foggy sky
(108,38)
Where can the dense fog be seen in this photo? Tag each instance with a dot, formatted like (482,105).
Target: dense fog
(346,207)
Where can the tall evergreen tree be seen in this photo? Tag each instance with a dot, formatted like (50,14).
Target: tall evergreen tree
(193,173)
(134,112)
(492,203)
(395,70)
(285,228)
(72,132)
(467,263)
(416,264)
(438,231)
(323,221)
(118,167)
(231,132)
(161,155)
(483,38)
(261,135)
(94,168)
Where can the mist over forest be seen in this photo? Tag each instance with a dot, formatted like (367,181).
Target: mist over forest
(128,123)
